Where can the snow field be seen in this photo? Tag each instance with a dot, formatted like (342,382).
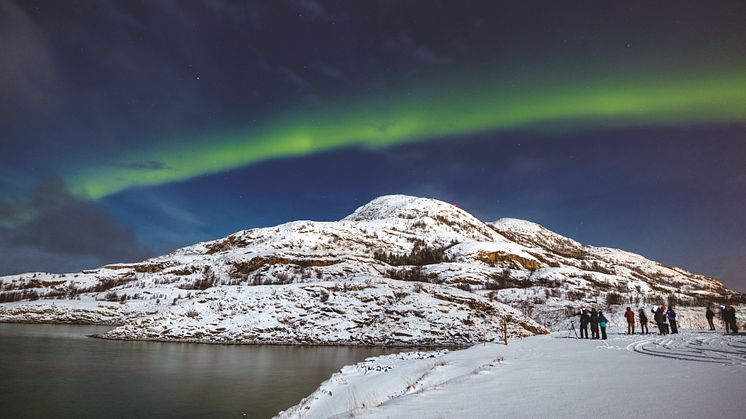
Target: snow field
(691,375)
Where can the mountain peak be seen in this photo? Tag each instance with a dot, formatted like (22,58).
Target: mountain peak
(414,211)
(399,206)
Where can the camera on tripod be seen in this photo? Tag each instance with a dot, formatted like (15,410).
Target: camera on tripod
(572,330)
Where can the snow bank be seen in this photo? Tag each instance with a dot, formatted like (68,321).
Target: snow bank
(691,375)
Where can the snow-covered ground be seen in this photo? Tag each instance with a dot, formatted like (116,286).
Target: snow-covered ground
(368,311)
(691,375)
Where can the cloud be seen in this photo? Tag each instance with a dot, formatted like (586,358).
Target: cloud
(303,88)
(7,210)
(295,79)
(80,228)
(240,14)
(63,232)
(427,56)
(27,75)
(330,71)
(15,258)
(311,10)
(419,52)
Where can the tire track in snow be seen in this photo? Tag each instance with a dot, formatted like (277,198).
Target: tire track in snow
(722,349)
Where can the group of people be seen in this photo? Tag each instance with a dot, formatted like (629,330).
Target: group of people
(596,320)
(664,317)
(727,315)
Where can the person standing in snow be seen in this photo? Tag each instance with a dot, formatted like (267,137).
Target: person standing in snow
(603,322)
(664,319)
(710,315)
(724,318)
(594,324)
(643,321)
(732,317)
(657,318)
(630,316)
(672,320)
(585,318)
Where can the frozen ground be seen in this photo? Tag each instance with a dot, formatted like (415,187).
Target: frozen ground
(691,375)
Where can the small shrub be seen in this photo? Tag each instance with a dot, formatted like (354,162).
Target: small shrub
(492,285)
(576,295)
(614,298)
(655,299)
(208,280)
(324,297)
(419,256)
(411,274)
(464,286)
(8,297)
(283,278)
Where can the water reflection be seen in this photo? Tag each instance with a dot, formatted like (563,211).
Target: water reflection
(56,371)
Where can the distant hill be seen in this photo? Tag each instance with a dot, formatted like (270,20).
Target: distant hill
(400,270)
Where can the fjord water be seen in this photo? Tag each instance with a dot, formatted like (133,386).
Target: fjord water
(57,371)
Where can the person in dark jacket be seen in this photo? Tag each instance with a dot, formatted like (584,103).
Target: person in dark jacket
(585,318)
(725,318)
(732,317)
(672,320)
(594,324)
(643,321)
(664,319)
(710,315)
(630,316)
(657,315)
(602,322)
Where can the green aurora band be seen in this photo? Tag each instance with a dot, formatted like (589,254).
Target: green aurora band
(439,111)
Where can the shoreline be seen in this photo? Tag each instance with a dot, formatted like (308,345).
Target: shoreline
(284,343)
(75,323)
(237,343)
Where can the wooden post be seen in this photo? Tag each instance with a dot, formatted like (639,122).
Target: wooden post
(506,319)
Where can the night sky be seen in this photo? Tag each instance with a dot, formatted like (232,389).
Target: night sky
(129,128)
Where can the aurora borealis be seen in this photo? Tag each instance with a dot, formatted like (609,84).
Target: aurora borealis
(159,124)
(449,110)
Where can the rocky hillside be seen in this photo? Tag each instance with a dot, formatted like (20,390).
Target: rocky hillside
(399,270)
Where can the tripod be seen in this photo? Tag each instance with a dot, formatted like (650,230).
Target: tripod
(572,330)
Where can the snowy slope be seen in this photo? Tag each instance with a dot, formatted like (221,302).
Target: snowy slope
(691,375)
(359,311)
(409,253)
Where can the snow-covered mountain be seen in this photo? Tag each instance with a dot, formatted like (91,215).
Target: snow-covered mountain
(399,270)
